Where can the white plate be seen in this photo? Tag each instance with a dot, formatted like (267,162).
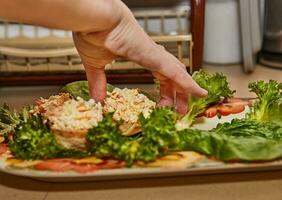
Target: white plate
(203,166)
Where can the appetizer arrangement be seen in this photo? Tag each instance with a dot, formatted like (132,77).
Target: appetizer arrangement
(72,132)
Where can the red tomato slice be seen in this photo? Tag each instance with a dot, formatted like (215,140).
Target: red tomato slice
(3,148)
(54,165)
(84,168)
(111,164)
(211,112)
(62,165)
(230,108)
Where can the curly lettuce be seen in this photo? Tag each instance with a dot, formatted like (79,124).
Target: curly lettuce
(9,119)
(217,87)
(268,107)
(33,140)
(157,137)
(158,134)
(240,140)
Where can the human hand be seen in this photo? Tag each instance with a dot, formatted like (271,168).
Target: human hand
(127,39)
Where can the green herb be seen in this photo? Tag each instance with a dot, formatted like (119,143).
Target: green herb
(217,87)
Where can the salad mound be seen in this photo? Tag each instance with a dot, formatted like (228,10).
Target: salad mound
(131,129)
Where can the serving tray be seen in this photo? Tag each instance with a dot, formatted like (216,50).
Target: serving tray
(198,165)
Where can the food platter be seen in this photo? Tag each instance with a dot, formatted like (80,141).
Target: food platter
(195,164)
(71,137)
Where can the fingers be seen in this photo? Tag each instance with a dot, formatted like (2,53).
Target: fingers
(181,103)
(94,58)
(182,80)
(159,60)
(167,94)
(97,83)
(90,51)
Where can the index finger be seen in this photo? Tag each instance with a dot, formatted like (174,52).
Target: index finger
(163,62)
(97,82)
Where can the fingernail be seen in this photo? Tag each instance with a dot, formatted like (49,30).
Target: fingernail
(204,92)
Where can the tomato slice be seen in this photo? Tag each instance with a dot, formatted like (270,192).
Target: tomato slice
(111,164)
(230,108)
(225,109)
(3,148)
(211,112)
(54,165)
(84,168)
(62,165)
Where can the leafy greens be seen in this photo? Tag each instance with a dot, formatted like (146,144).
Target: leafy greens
(257,137)
(217,87)
(81,89)
(10,119)
(242,139)
(33,140)
(269,104)
(158,135)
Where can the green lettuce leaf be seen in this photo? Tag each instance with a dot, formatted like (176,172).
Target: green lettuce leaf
(268,108)
(33,140)
(217,87)
(81,89)
(240,140)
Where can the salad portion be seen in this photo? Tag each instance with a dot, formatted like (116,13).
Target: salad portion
(70,131)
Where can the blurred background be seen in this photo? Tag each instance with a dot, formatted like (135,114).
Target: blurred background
(241,38)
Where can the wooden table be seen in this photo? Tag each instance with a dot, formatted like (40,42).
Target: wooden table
(241,186)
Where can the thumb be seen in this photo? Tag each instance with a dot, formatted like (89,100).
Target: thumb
(97,82)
